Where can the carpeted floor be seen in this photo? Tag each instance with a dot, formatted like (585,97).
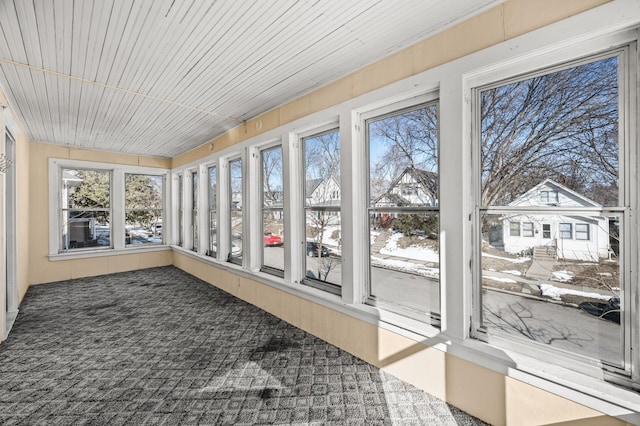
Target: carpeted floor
(158,346)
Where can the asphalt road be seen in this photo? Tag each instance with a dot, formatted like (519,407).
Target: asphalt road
(559,326)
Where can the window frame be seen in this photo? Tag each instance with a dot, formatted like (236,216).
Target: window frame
(212,208)
(263,208)
(238,260)
(626,50)
(117,203)
(424,100)
(577,233)
(163,192)
(325,286)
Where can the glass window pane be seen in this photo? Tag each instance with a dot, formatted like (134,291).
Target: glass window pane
(213,228)
(180,211)
(322,170)
(143,209)
(558,130)
(403,158)
(323,249)
(194,211)
(273,239)
(85,214)
(272,212)
(404,245)
(561,293)
(405,260)
(85,229)
(235,170)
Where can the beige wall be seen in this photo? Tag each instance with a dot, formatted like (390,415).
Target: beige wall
(41,269)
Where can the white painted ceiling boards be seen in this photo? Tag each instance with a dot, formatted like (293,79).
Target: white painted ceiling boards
(160,77)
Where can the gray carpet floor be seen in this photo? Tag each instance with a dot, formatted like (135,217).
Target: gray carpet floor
(159,346)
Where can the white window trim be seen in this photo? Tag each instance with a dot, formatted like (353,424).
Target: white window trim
(118,172)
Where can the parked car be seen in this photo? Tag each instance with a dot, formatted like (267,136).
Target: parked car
(316,250)
(272,240)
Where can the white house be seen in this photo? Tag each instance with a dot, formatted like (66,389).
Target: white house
(565,236)
(413,187)
(320,192)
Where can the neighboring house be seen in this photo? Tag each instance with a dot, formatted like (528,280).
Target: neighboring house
(320,192)
(413,187)
(566,236)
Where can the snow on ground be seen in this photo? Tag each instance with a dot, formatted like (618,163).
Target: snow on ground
(501,279)
(412,252)
(562,276)
(326,236)
(555,292)
(517,260)
(518,273)
(402,266)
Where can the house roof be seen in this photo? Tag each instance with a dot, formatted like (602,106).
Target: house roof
(531,194)
(428,180)
(311,186)
(393,198)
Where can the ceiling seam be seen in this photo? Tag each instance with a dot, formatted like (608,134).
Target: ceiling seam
(120,89)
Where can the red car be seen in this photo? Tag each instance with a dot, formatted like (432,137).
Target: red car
(272,240)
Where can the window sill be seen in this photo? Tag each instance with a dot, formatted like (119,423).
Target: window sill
(84,254)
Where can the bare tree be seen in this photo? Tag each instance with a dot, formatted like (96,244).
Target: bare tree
(561,125)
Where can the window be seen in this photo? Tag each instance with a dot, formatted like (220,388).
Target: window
(323,263)
(404,247)
(180,211)
(194,211)
(272,211)
(514,229)
(527,229)
(562,125)
(564,231)
(213,211)
(143,208)
(86,209)
(548,197)
(103,206)
(582,231)
(235,201)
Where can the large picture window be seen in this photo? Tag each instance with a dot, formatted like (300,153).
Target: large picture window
(323,265)
(403,211)
(273,211)
(550,154)
(143,208)
(85,209)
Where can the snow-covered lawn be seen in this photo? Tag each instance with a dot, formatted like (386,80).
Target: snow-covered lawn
(562,276)
(412,252)
(554,292)
(516,260)
(500,279)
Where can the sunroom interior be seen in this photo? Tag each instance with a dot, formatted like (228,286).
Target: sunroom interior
(447,190)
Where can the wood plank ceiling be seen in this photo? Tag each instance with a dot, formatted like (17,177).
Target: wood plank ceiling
(160,77)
